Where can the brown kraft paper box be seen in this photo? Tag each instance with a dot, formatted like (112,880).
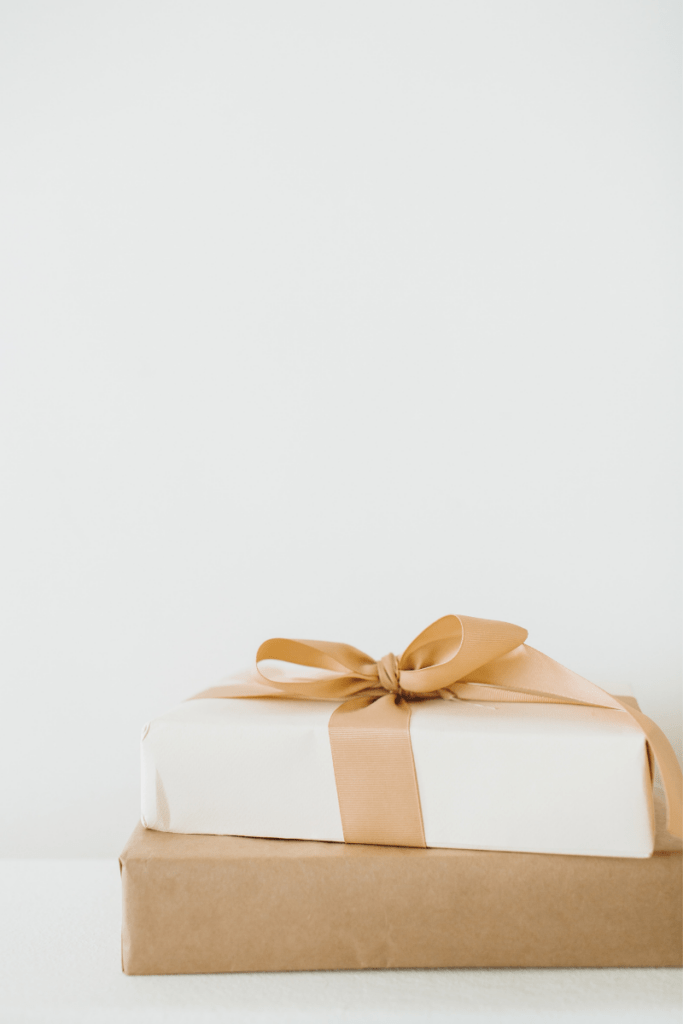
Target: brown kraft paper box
(212,904)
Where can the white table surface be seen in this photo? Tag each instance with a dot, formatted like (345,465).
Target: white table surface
(60,961)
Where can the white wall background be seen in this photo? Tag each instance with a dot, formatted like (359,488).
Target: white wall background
(325,319)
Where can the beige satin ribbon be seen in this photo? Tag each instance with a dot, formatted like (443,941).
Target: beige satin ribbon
(457,657)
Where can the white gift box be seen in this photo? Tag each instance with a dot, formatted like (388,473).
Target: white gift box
(539,778)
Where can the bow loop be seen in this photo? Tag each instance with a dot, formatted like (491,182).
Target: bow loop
(453,647)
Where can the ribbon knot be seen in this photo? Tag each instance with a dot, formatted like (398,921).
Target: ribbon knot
(390,675)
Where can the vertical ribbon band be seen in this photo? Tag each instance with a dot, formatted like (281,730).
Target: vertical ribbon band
(375,772)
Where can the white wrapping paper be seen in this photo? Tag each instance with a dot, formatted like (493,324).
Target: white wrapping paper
(544,778)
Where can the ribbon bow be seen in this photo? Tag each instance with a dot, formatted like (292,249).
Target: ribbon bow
(457,657)
(449,650)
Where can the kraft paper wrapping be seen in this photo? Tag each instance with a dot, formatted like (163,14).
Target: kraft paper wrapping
(198,904)
(542,778)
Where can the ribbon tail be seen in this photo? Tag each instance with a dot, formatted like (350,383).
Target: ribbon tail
(253,684)
(536,677)
(374,769)
(241,684)
(669,769)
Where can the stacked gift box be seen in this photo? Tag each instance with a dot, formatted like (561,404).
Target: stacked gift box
(471,804)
